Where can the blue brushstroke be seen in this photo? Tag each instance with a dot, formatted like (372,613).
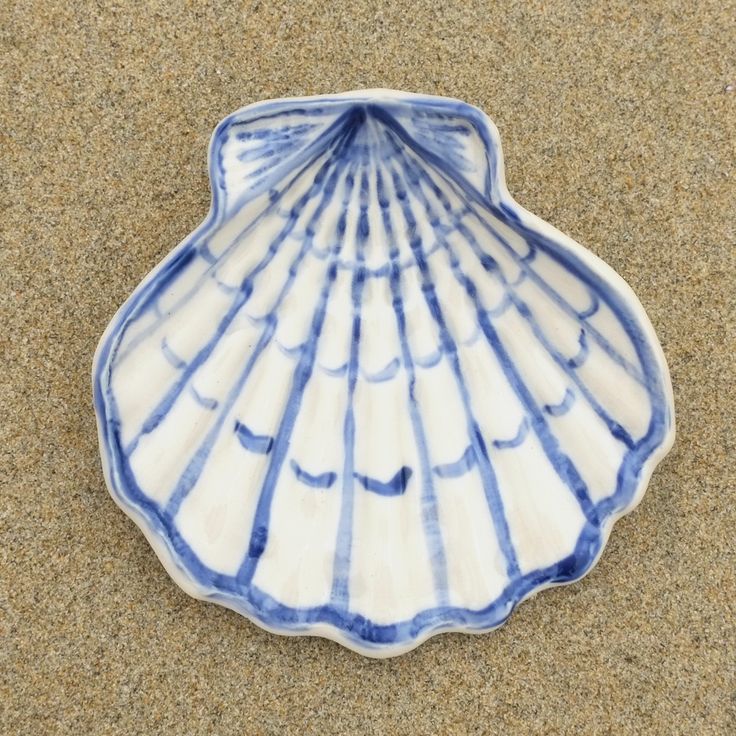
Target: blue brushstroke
(340,593)
(225,288)
(449,348)
(577,360)
(323,480)
(429,361)
(385,374)
(395,486)
(430,513)
(197,463)
(292,352)
(459,467)
(516,440)
(302,374)
(337,372)
(595,304)
(558,410)
(172,357)
(259,443)
(203,401)
(501,307)
(470,341)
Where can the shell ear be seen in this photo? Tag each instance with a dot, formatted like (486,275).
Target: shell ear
(457,139)
(255,147)
(259,145)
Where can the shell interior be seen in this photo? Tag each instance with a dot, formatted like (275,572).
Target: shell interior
(371,397)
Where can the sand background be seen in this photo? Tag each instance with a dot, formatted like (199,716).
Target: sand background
(618,127)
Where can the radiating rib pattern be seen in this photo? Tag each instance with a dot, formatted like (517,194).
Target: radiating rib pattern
(366,396)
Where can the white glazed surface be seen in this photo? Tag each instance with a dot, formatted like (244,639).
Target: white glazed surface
(391,575)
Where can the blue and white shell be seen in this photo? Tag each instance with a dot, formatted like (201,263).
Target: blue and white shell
(371,397)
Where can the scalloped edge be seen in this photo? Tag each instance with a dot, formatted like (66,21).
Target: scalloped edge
(161,545)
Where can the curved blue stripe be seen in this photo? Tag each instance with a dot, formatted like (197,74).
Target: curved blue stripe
(459,467)
(203,401)
(595,304)
(557,410)
(323,480)
(335,372)
(385,374)
(470,341)
(293,352)
(172,357)
(429,361)
(395,486)
(260,443)
(501,307)
(340,591)
(516,440)
(577,360)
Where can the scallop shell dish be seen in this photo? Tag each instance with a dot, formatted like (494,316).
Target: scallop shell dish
(372,398)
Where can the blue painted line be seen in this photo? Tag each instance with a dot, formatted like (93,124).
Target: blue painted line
(560,409)
(501,307)
(429,361)
(263,152)
(459,467)
(429,510)
(340,593)
(323,480)
(511,298)
(204,401)
(172,358)
(337,372)
(560,462)
(516,440)
(259,443)
(302,374)
(592,309)
(292,352)
(470,341)
(395,486)
(577,360)
(449,348)
(226,288)
(385,374)
(286,132)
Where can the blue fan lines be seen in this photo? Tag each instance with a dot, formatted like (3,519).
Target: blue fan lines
(392,198)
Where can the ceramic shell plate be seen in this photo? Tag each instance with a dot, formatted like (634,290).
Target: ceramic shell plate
(371,397)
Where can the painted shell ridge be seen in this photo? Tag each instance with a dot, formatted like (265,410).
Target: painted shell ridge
(371,397)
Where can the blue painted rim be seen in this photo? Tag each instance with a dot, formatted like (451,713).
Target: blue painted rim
(353,630)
